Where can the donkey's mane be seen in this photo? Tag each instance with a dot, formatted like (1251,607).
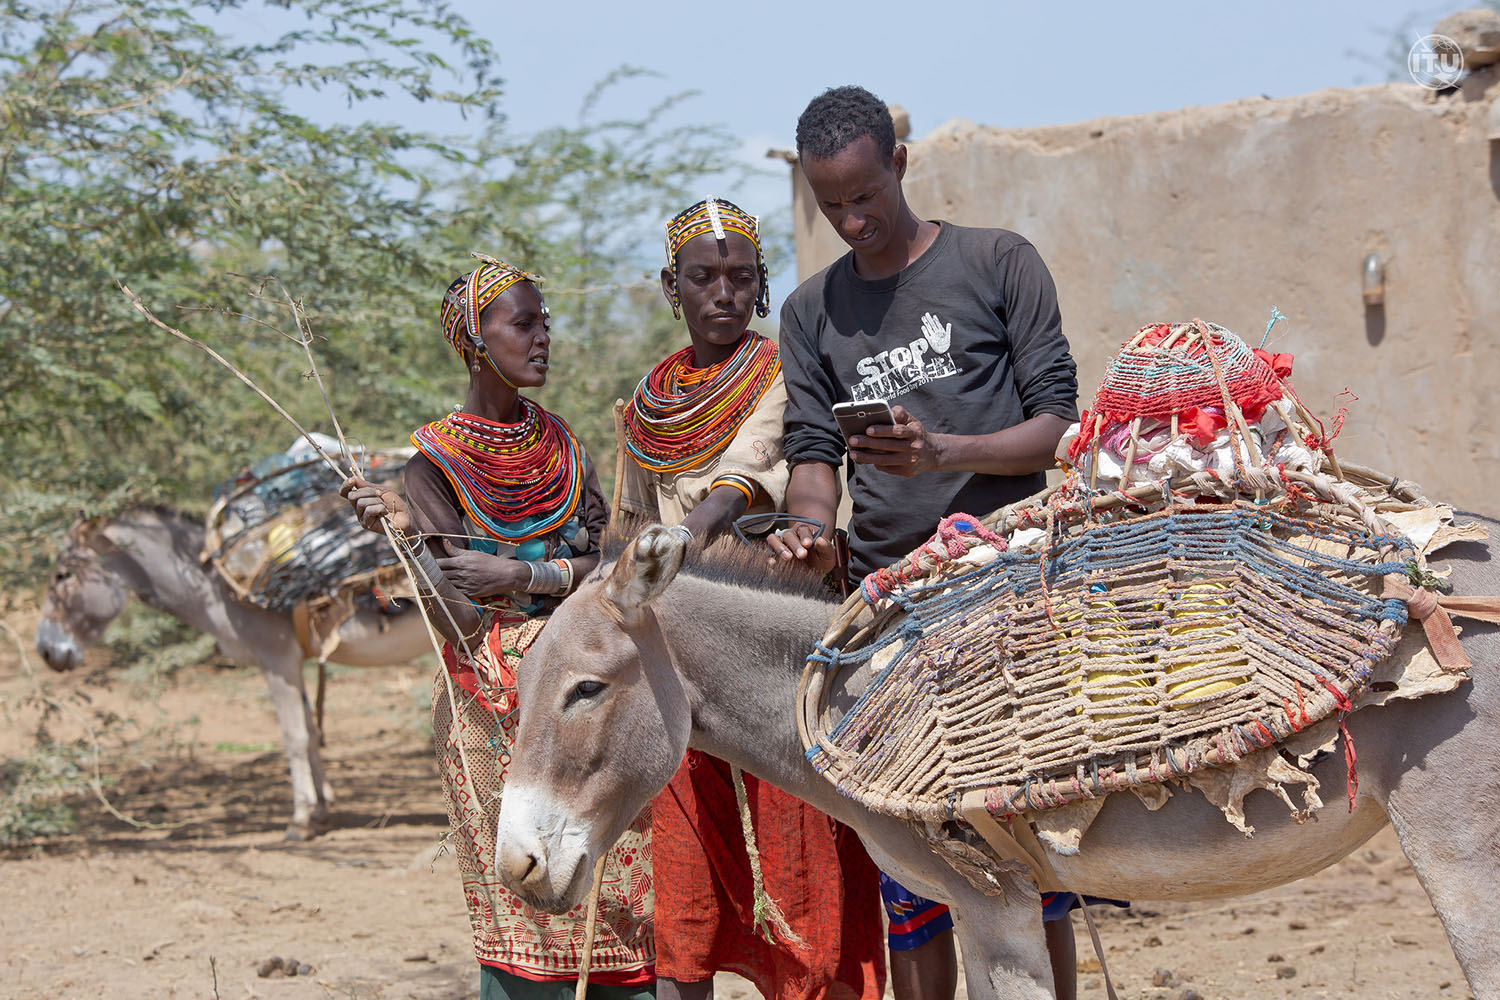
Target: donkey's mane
(729,561)
(184,529)
(164,511)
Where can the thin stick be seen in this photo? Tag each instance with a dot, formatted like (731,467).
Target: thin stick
(398,542)
(1135,434)
(140,307)
(304,332)
(401,549)
(590,926)
(614,505)
(305,336)
(413,567)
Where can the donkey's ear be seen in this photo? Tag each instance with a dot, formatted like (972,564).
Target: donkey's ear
(78,532)
(649,564)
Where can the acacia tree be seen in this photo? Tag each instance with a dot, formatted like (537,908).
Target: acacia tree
(138,143)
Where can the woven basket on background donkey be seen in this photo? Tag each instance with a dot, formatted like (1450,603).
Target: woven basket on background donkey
(1199,605)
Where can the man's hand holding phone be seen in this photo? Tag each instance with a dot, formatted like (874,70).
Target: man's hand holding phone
(893,442)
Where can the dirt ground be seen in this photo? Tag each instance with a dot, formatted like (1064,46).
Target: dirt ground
(374,908)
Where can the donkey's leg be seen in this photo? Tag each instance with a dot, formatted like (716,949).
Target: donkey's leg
(315,759)
(1004,951)
(1437,769)
(1459,876)
(283,671)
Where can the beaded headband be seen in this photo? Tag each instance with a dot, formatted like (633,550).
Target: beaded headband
(711,215)
(720,217)
(468,295)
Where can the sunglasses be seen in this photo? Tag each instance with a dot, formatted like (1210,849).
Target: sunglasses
(752,528)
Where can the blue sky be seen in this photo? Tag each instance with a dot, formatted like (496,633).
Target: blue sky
(994,63)
(757,64)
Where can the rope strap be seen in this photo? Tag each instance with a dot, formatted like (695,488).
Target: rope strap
(768,916)
(1109,986)
(947,540)
(1433,610)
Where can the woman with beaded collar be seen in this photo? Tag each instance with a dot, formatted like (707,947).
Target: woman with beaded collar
(700,446)
(509,513)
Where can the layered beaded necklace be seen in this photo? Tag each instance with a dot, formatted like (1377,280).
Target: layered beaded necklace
(515,481)
(682,416)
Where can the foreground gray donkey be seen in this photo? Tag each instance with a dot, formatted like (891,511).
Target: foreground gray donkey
(647,659)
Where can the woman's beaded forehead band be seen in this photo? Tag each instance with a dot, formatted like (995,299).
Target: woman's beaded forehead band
(720,217)
(468,296)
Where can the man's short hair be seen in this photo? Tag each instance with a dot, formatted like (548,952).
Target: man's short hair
(840,116)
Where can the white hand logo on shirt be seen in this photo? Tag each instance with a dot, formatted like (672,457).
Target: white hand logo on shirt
(938,336)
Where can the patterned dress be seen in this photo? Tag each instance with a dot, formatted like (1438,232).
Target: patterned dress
(473,724)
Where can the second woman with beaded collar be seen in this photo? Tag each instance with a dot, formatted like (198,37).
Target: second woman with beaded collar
(701,446)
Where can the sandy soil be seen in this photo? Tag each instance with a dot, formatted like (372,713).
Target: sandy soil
(374,908)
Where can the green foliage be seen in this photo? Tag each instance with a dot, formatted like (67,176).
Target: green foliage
(139,145)
(33,790)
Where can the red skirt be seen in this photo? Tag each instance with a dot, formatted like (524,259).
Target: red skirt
(815,869)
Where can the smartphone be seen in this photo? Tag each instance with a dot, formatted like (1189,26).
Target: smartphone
(857,418)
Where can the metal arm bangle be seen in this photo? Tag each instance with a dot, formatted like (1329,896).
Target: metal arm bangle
(424,558)
(546,578)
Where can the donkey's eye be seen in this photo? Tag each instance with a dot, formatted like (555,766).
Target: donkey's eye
(584,689)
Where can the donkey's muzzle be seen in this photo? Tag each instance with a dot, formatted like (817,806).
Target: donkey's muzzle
(522,861)
(58,649)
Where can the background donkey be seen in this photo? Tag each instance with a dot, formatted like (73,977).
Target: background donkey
(156,554)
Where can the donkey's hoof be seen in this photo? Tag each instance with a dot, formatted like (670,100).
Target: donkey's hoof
(320,823)
(301,831)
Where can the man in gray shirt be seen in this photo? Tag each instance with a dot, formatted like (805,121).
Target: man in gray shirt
(959,329)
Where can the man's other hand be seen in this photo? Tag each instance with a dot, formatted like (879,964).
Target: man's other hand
(801,541)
